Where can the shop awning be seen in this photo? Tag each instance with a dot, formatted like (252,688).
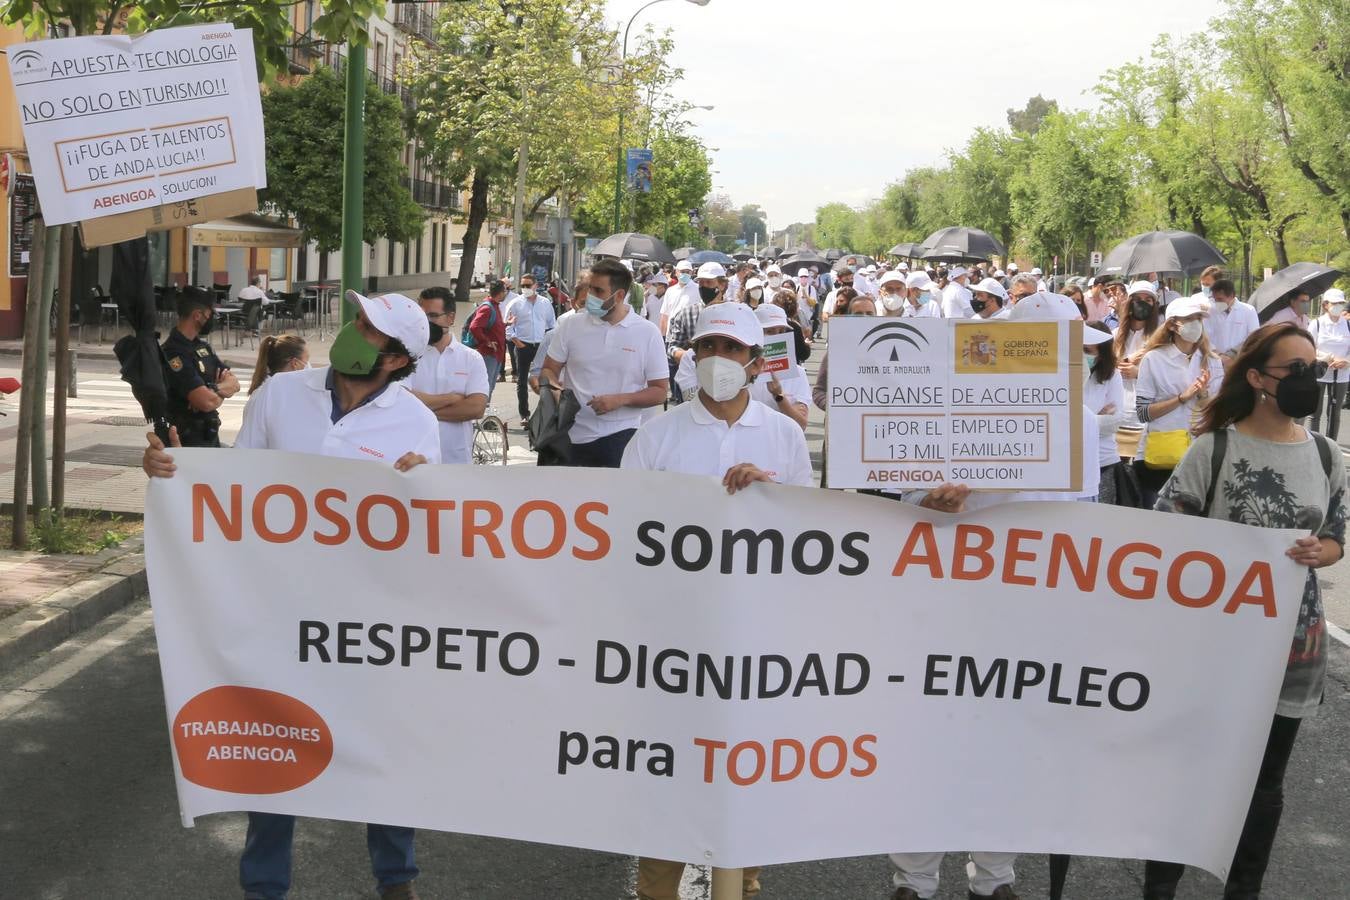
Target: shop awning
(251,230)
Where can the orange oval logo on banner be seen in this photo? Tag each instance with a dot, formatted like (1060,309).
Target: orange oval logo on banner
(250,741)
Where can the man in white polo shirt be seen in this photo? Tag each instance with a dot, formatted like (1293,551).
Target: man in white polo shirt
(683,292)
(450,379)
(722,433)
(353,409)
(616,366)
(956,296)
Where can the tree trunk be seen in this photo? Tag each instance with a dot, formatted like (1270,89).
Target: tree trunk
(1281,251)
(28,362)
(478,210)
(518,206)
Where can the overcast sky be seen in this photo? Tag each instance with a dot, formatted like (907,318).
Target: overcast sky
(824,101)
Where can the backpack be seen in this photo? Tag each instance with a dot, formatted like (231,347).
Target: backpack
(1221,449)
(465,336)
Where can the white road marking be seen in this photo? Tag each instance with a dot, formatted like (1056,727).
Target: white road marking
(1339,634)
(24,694)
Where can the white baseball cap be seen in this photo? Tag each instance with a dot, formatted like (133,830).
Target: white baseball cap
(1037,271)
(684,265)
(1142,287)
(1012,267)
(1333,295)
(919,280)
(990,286)
(803,272)
(1044,306)
(711,270)
(753,283)
(958,272)
(869,269)
(398,317)
(902,267)
(771,315)
(773,270)
(734,320)
(891,278)
(1187,306)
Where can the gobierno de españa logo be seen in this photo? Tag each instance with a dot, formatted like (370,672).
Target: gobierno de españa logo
(250,741)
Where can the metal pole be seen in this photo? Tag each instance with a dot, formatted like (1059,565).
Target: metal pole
(38,384)
(23,441)
(726,884)
(618,176)
(68,239)
(353,175)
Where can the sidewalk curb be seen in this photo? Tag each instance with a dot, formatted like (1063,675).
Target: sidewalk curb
(70,610)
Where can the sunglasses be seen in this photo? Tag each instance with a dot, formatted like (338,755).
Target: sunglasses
(1298,369)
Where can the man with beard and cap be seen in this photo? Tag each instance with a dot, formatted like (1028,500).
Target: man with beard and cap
(988,300)
(892,294)
(955,296)
(352,409)
(711,286)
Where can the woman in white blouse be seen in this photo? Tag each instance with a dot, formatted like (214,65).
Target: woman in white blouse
(1331,334)
(1104,394)
(1172,388)
(1138,320)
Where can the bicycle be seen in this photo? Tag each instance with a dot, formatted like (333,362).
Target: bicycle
(489,441)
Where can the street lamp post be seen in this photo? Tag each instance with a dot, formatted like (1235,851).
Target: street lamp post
(619,160)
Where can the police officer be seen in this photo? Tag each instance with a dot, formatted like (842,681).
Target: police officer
(198,382)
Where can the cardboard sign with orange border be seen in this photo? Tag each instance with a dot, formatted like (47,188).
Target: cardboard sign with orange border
(995,405)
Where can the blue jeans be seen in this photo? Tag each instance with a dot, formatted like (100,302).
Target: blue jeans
(494,371)
(265,866)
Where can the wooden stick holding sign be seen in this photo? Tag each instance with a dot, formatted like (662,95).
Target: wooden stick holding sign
(726,884)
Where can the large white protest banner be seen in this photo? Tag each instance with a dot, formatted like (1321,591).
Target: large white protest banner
(637,662)
(917,402)
(115,123)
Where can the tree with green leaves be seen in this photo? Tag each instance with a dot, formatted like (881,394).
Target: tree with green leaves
(1028,119)
(681,180)
(304,162)
(982,175)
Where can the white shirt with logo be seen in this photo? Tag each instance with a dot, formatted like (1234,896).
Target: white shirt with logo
(455,370)
(295,414)
(691,440)
(1228,327)
(599,359)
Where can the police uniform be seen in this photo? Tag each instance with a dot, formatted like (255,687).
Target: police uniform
(191,364)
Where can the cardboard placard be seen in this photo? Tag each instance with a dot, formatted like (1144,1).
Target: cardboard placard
(137,223)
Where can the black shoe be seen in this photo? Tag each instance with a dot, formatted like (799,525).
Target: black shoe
(1002,892)
(905,894)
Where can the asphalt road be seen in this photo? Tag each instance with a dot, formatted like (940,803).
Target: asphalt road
(87,811)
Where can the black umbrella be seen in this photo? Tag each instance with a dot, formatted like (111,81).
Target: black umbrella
(742,256)
(1279,290)
(960,244)
(771,252)
(908,250)
(707,256)
(804,259)
(860,260)
(633,245)
(833,254)
(1164,252)
(684,253)
(141,358)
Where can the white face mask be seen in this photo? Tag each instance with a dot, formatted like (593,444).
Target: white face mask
(529,293)
(775,281)
(756,294)
(720,378)
(1191,331)
(892,302)
(1336,310)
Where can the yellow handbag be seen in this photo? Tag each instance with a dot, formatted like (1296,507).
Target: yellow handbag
(1164,449)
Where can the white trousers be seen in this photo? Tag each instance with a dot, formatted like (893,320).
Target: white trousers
(919,871)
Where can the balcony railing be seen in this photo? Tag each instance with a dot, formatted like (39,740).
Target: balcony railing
(415,20)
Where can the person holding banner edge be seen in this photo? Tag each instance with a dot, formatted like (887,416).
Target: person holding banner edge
(355,410)
(720,432)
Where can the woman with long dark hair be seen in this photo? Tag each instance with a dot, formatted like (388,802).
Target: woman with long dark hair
(1104,394)
(1272,473)
(1138,320)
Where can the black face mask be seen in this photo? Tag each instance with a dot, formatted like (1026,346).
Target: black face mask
(1297,394)
(706,293)
(207,326)
(1140,310)
(978,305)
(437,332)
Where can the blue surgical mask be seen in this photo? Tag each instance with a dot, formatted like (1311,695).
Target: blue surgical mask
(1089,360)
(684,278)
(596,306)
(925,297)
(1208,291)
